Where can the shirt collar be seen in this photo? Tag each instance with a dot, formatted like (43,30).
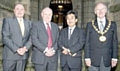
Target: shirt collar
(103,19)
(72,28)
(46,24)
(19,19)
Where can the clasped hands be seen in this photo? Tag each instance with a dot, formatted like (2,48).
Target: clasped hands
(67,51)
(21,51)
(50,52)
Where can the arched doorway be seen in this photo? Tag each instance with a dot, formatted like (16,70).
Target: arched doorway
(60,7)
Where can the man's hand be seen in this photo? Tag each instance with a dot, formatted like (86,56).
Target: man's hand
(49,52)
(65,51)
(114,63)
(88,63)
(21,51)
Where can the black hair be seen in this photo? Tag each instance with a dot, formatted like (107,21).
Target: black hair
(72,12)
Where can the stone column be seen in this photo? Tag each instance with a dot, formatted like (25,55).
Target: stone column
(34,10)
(77,8)
(88,11)
(27,6)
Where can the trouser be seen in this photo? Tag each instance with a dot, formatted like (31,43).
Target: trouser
(14,65)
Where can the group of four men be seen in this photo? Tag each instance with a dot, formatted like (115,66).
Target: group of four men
(100,39)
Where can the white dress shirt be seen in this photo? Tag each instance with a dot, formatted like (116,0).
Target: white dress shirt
(103,22)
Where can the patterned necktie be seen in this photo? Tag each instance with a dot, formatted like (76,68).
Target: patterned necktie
(49,36)
(101,26)
(21,26)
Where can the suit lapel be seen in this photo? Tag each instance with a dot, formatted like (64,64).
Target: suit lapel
(15,22)
(73,35)
(53,31)
(66,37)
(106,24)
(25,26)
(96,24)
(43,27)
(43,30)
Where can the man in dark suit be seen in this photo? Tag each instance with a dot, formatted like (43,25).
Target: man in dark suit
(101,47)
(70,42)
(44,36)
(16,40)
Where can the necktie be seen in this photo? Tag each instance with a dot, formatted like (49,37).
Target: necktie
(21,26)
(49,36)
(101,26)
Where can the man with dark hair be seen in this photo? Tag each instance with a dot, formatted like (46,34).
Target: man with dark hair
(101,46)
(16,40)
(70,42)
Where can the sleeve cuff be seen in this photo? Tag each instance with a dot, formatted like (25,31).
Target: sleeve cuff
(87,59)
(46,49)
(26,49)
(53,50)
(68,50)
(114,59)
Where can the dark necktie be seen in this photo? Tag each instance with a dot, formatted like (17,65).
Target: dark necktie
(101,26)
(49,36)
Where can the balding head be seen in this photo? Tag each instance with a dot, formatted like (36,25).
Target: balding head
(47,9)
(46,14)
(100,4)
(100,10)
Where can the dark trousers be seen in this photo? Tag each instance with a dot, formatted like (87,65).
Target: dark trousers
(100,68)
(14,65)
(67,68)
(47,66)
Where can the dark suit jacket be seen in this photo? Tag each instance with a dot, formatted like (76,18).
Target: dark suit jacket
(94,49)
(13,39)
(40,39)
(75,45)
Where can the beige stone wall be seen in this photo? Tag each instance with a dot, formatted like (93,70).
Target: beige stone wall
(34,10)
(88,11)
(3,13)
(115,10)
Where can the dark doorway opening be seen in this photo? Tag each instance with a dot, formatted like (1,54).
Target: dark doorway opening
(60,8)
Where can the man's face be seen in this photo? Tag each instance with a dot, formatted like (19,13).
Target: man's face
(19,11)
(46,15)
(71,20)
(100,10)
